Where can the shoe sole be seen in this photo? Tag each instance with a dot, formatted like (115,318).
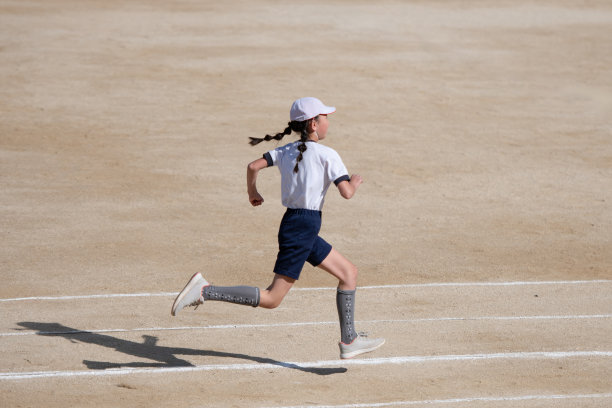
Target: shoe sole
(355,353)
(183,292)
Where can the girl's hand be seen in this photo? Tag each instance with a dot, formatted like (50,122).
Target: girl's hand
(256,199)
(356,180)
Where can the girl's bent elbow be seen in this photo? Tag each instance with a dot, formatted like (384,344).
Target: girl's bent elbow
(253,168)
(347,193)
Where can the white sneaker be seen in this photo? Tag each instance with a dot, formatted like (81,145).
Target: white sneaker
(361,344)
(191,295)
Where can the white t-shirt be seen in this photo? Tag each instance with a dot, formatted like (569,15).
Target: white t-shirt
(320,166)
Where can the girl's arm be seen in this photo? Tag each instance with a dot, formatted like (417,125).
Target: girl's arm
(252,169)
(348,188)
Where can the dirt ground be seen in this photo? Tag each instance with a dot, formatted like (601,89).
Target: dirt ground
(482,232)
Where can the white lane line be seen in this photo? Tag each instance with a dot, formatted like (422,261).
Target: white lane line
(459,284)
(540,355)
(107,296)
(402,286)
(460,400)
(297,324)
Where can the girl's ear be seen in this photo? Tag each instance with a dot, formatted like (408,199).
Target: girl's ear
(311,127)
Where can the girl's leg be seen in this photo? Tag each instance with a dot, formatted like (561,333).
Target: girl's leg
(252,296)
(346,273)
(351,344)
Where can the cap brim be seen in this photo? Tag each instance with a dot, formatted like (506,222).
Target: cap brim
(328,110)
(325,111)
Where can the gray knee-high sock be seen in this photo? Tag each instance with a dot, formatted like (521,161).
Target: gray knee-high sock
(242,295)
(345,301)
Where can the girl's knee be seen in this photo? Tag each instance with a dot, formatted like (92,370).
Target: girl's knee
(273,296)
(350,276)
(342,269)
(272,304)
(352,271)
(270,301)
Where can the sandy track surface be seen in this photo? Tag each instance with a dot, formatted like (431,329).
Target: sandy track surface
(482,232)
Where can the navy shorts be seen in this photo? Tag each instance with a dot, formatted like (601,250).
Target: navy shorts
(299,242)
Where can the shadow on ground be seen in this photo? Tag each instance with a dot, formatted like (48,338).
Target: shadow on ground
(149,349)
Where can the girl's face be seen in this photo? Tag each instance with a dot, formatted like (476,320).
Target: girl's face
(321,125)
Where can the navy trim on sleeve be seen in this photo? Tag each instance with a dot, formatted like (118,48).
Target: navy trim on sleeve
(341,179)
(268,158)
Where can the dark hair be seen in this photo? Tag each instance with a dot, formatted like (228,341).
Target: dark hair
(294,126)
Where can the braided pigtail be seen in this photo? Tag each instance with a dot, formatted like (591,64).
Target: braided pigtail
(256,140)
(302,148)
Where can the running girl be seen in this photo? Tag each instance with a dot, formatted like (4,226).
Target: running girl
(307,170)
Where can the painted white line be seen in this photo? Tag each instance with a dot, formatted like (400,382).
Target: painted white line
(460,400)
(107,296)
(544,355)
(402,286)
(460,284)
(297,324)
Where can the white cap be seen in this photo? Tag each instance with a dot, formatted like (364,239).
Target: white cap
(308,108)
